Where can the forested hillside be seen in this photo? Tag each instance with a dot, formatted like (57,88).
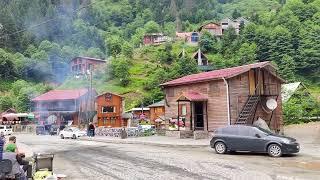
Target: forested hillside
(39,37)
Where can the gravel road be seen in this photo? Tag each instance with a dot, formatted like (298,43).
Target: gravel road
(94,160)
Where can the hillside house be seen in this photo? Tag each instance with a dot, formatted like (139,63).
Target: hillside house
(154,39)
(191,38)
(80,65)
(230,23)
(238,95)
(109,109)
(213,28)
(202,61)
(64,107)
(157,112)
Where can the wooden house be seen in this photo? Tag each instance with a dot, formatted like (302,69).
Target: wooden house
(140,113)
(213,28)
(109,109)
(191,38)
(154,39)
(64,107)
(238,95)
(80,65)
(156,111)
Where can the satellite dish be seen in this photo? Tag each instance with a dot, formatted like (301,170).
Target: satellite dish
(271,104)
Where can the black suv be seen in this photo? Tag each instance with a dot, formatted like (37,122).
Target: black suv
(253,139)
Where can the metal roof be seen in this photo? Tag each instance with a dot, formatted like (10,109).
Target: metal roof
(216,74)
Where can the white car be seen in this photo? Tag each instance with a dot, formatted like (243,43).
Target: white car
(6,129)
(71,132)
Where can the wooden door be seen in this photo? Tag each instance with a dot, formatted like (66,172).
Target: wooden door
(252,82)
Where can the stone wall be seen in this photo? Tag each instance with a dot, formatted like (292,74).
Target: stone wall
(200,135)
(173,134)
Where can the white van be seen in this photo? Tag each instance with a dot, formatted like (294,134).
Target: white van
(6,129)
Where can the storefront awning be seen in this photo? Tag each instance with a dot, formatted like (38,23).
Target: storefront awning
(192,96)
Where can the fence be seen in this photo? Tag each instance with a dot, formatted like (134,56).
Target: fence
(116,132)
(24,128)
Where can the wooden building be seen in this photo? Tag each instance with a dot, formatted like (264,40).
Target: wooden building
(156,111)
(238,95)
(64,106)
(191,38)
(109,109)
(154,39)
(140,113)
(213,28)
(80,65)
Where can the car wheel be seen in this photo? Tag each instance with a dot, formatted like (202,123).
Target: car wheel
(74,137)
(220,148)
(62,137)
(274,150)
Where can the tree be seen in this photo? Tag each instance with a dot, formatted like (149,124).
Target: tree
(183,66)
(208,42)
(152,27)
(5,102)
(7,68)
(235,14)
(287,68)
(120,69)
(114,44)
(127,49)
(247,53)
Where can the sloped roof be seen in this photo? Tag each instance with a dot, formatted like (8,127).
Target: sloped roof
(287,90)
(192,96)
(61,95)
(157,104)
(216,74)
(110,93)
(89,58)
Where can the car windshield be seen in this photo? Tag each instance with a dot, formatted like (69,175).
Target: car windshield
(264,130)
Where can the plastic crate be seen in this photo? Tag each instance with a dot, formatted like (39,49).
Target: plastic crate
(43,161)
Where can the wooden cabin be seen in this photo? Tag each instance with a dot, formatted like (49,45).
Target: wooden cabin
(109,107)
(238,95)
(80,65)
(154,39)
(188,37)
(213,28)
(64,106)
(156,111)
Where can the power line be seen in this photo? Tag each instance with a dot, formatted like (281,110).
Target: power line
(46,21)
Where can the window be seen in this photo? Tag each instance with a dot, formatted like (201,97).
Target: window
(183,110)
(108,109)
(105,121)
(1,127)
(224,23)
(113,120)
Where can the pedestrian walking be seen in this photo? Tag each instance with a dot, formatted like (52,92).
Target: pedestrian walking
(91,130)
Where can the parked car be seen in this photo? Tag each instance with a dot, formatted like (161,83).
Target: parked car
(71,132)
(252,139)
(40,130)
(6,129)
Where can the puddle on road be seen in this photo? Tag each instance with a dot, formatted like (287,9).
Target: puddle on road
(311,165)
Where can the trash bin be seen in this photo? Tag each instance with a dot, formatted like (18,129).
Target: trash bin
(43,161)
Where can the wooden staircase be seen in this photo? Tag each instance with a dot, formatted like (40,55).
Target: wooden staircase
(248,110)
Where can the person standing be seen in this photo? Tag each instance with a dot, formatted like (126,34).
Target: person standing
(91,129)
